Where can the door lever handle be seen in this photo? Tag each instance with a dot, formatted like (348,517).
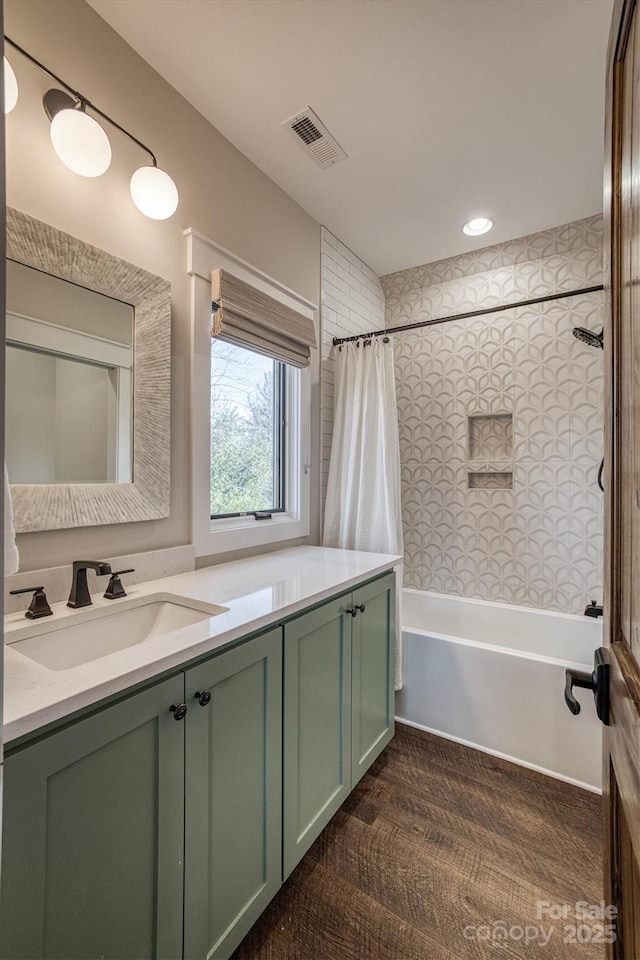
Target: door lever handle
(598,681)
(575,679)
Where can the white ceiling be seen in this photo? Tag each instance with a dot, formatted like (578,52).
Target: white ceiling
(447,109)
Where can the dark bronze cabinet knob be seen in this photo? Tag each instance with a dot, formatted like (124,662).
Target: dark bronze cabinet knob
(354,610)
(179,712)
(203,698)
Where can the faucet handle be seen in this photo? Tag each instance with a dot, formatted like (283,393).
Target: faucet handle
(114,587)
(39,606)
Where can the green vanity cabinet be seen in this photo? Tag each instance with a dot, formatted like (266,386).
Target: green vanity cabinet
(138,831)
(317,724)
(119,822)
(233,794)
(92,856)
(372,673)
(338,706)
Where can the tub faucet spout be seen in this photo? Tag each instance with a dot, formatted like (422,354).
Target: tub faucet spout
(593,609)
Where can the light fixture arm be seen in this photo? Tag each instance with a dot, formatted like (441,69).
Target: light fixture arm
(79,97)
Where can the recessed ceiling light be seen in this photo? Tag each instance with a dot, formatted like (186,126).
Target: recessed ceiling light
(477,226)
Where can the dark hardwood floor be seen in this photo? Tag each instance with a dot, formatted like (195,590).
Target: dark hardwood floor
(436,847)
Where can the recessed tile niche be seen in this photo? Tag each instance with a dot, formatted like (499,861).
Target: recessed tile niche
(490,481)
(490,464)
(491,437)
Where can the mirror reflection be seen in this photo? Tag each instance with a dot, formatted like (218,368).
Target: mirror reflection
(69,382)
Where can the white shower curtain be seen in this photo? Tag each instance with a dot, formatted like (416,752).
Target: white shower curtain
(362,510)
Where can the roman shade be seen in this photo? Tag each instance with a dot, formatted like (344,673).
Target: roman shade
(250,318)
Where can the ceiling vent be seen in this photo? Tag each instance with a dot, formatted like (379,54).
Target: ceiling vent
(309,130)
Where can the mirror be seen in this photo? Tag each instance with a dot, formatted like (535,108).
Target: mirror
(88,383)
(69,386)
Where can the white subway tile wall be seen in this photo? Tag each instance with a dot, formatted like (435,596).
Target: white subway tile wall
(539,543)
(352,303)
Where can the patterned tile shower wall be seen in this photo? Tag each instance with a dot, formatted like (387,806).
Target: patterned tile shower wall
(534,392)
(352,303)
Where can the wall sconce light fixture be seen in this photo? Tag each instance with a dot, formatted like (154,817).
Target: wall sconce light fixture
(10,87)
(83,146)
(77,138)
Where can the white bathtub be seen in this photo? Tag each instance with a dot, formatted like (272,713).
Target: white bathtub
(491,675)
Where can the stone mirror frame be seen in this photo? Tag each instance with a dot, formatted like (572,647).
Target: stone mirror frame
(58,506)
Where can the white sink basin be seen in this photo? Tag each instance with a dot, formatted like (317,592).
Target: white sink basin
(61,645)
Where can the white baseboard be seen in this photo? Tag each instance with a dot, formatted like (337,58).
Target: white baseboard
(502,756)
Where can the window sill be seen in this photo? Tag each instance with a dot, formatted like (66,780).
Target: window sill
(239,533)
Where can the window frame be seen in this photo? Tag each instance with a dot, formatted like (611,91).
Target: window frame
(226,534)
(280,448)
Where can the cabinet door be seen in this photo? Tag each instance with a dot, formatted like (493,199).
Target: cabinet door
(373,663)
(233,794)
(93,825)
(317,724)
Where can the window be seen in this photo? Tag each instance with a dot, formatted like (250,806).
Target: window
(248,443)
(251,483)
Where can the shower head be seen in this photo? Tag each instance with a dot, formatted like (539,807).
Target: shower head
(589,337)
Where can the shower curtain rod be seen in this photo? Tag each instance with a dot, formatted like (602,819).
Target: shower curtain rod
(473,313)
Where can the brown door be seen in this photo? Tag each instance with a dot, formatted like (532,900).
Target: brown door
(622,479)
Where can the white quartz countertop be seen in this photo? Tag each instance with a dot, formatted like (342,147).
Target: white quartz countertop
(257,591)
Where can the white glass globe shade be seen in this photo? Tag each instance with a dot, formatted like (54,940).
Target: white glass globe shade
(154,193)
(477,226)
(81,143)
(10,87)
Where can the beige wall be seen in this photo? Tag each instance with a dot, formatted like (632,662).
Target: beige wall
(222,195)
